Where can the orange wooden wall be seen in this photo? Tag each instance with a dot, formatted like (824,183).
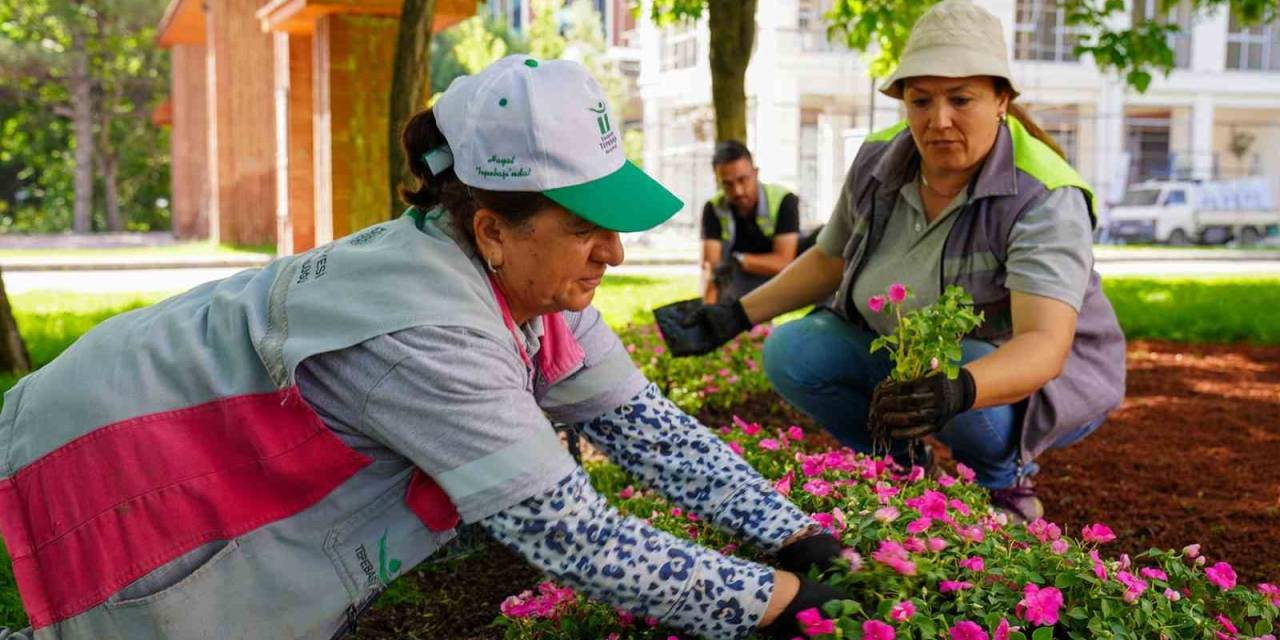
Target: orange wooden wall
(242,138)
(189,143)
(354,55)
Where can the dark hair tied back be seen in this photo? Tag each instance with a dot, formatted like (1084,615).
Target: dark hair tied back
(420,135)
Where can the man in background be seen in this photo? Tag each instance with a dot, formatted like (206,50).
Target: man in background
(750,230)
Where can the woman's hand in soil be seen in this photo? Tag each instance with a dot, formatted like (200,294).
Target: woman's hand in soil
(916,408)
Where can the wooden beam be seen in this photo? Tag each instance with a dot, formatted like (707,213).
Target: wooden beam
(183,23)
(300,16)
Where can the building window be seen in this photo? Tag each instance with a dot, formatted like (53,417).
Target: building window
(1255,48)
(679,48)
(1041,32)
(1147,141)
(1180,15)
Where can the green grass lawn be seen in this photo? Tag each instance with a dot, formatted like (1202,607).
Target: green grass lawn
(1208,310)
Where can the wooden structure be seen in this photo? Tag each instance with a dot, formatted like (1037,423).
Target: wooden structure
(280,113)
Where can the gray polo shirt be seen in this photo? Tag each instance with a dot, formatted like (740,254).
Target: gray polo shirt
(438,395)
(1050,251)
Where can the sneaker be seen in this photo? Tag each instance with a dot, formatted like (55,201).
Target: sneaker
(1019,502)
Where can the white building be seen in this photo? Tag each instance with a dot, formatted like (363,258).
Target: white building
(809,102)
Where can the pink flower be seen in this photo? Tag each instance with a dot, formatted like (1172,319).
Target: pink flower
(1043,530)
(1226,624)
(1039,606)
(902,611)
(1172,595)
(1191,551)
(936,544)
(897,293)
(1059,546)
(960,507)
(966,630)
(1002,630)
(919,526)
(826,520)
(932,504)
(1154,574)
(946,481)
(1099,569)
(1099,533)
(948,586)
(783,485)
(895,556)
(884,491)
(972,533)
(853,558)
(914,545)
(795,433)
(659,350)
(933,364)
(1221,575)
(677,512)
(820,488)
(814,624)
(965,473)
(973,563)
(769,444)
(875,303)
(626,493)
(876,630)
(886,514)
(1271,591)
(1134,586)
(736,448)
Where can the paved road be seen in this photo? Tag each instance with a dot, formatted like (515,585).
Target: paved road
(123,280)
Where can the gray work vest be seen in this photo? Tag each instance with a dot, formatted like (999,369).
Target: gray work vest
(163,478)
(1017,172)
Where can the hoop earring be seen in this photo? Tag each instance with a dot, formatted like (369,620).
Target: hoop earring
(489,263)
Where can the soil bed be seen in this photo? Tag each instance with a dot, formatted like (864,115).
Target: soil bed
(1193,455)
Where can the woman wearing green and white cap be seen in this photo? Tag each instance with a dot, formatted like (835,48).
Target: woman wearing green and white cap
(967,191)
(260,457)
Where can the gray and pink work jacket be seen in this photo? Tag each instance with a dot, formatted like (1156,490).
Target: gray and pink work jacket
(1017,173)
(163,477)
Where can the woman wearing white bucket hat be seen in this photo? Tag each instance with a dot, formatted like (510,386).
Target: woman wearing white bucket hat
(967,191)
(270,451)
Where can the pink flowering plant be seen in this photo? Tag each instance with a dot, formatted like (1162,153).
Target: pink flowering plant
(929,558)
(723,378)
(926,341)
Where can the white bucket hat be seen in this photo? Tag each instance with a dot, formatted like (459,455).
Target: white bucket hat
(521,124)
(955,39)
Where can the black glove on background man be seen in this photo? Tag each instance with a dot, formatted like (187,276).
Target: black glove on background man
(917,408)
(692,328)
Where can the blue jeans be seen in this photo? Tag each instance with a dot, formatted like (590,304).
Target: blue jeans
(824,366)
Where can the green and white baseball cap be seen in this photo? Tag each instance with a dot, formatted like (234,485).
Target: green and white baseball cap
(523,124)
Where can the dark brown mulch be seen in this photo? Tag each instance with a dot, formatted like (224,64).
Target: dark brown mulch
(1193,455)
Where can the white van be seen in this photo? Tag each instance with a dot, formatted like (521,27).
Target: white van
(1185,212)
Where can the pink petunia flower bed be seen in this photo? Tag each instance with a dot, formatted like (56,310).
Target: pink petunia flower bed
(927,558)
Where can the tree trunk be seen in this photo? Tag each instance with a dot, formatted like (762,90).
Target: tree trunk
(410,85)
(733,33)
(109,163)
(82,128)
(13,351)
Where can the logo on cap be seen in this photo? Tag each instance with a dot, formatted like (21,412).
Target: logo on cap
(602,118)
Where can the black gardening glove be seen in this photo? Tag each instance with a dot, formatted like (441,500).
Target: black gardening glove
(917,408)
(692,328)
(812,594)
(818,550)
